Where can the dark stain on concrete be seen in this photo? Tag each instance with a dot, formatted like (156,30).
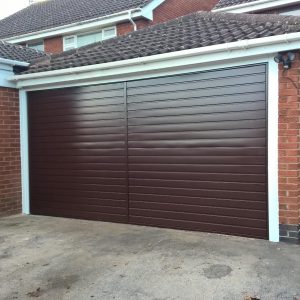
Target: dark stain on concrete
(217,271)
(5,254)
(36,293)
(2,239)
(7,225)
(62,282)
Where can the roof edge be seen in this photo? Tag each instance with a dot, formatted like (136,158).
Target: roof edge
(11,62)
(228,51)
(70,28)
(255,6)
(138,12)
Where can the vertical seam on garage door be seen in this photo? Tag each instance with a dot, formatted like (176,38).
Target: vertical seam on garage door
(126,146)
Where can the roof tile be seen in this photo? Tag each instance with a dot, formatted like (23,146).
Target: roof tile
(53,13)
(228,3)
(19,53)
(192,31)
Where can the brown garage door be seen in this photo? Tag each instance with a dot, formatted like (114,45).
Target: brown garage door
(77,153)
(196,152)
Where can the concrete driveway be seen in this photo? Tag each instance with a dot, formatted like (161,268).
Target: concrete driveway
(54,258)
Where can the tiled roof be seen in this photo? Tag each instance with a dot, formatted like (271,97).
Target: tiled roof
(192,31)
(227,3)
(19,53)
(53,13)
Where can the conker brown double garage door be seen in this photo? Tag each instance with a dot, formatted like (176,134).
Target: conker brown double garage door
(185,151)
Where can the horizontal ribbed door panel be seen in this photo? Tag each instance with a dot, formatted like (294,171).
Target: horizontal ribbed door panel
(197,151)
(78,161)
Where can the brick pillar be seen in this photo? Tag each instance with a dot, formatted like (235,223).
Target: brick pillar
(289,152)
(10,164)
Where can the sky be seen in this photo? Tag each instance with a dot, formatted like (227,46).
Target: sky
(11,6)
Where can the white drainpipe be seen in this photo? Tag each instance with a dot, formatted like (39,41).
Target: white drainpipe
(131,20)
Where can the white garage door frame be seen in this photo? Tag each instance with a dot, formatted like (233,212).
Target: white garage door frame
(272,95)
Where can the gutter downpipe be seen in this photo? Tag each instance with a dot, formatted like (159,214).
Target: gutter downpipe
(131,20)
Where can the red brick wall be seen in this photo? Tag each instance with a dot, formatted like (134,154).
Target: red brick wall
(289,144)
(169,10)
(124,28)
(54,45)
(10,165)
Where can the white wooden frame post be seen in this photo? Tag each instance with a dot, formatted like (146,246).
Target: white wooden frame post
(24,151)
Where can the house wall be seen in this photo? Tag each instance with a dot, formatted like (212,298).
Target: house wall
(169,10)
(54,45)
(289,152)
(10,163)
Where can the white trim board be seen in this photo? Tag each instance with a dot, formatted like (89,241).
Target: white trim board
(273,196)
(6,71)
(147,11)
(256,6)
(273,217)
(24,151)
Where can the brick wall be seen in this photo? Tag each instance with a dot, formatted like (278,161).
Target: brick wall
(169,10)
(289,149)
(53,45)
(10,169)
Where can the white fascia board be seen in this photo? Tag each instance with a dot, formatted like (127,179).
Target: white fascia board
(83,26)
(147,11)
(159,63)
(256,6)
(11,62)
(6,71)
